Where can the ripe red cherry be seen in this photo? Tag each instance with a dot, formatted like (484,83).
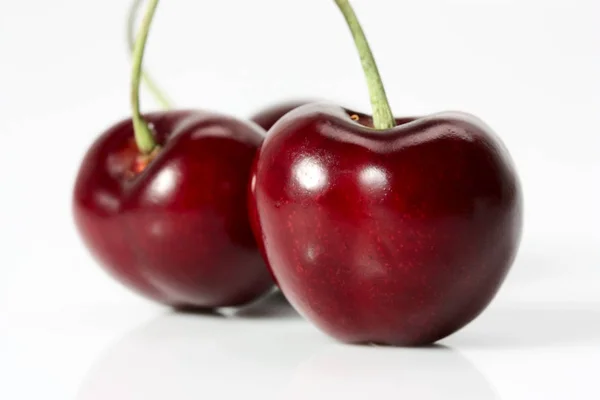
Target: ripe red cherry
(265,118)
(177,231)
(388,231)
(400,236)
(161,202)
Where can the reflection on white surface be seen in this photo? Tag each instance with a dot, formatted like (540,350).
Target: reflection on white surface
(310,175)
(373,177)
(353,372)
(186,356)
(515,351)
(207,356)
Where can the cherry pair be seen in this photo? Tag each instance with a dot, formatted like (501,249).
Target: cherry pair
(393,231)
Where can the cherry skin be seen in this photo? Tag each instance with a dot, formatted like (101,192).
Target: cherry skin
(269,116)
(266,119)
(175,228)
(399,236)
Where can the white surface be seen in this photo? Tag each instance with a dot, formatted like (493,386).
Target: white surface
(516,350)
(530,68)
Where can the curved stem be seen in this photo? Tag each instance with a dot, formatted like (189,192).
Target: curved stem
(143,136)
(382,113)
(159,95)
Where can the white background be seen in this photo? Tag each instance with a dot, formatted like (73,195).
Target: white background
(530,68)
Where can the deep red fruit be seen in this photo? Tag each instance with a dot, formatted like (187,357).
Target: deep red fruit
(269,116)
(401,236)
(175,228)
(266,119)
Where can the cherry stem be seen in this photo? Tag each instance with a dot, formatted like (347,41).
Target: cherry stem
(382,113)
(159,95)
(143,136)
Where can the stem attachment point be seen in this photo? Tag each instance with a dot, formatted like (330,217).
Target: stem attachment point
(382,113)
(143,135)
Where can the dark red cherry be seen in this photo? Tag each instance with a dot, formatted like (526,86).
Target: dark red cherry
(399,236)
(174,225)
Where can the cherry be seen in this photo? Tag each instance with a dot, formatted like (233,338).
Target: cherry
(388,231)
(265,118)
(269,116)
(161,201)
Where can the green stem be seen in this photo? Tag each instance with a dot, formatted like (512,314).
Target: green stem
(382,113)
(159,95)
(143,136)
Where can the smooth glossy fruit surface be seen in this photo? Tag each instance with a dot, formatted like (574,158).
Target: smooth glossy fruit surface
(175,227)
(266,119)
(396,237)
